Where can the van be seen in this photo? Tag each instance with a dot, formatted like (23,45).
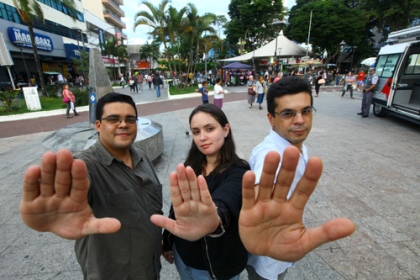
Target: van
(398,69)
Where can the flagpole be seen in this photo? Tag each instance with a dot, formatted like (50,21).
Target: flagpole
(307,42)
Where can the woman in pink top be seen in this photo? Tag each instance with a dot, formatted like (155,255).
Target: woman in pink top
(350,80)
(277,78)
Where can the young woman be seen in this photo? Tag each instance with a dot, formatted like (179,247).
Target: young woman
(71,101)
(350,80)
(219,254)
(218,93)
(261,89)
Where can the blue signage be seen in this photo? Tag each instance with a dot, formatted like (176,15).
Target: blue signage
(73,51)
(102,40)
(22,39)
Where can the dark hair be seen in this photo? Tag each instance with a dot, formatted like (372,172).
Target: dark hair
(285,86)
(218,80)
(227,154)
(111,98)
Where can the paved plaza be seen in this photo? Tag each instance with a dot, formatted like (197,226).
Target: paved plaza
(371,175)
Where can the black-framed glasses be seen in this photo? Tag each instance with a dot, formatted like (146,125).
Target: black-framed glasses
(117,119)
(290,114)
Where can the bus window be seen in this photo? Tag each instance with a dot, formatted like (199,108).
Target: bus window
(413,65)
(386,65)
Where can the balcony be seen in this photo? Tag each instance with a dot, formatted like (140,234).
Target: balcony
(123,35)
(110,4)
(119,2)
(114,20)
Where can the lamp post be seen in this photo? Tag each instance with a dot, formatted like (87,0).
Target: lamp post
(78,48)
(26,68)
(342,44)
(352,57)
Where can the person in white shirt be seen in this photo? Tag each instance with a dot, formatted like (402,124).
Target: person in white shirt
(290,112)
(218,93)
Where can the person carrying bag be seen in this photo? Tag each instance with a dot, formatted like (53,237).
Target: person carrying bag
(70,100)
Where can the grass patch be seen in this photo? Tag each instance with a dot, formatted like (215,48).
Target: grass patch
(178,90)
(47,104)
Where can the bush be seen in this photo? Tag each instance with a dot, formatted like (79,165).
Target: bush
(82,96)
(7,97)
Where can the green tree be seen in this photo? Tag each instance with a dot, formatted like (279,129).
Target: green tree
(198,35)
(252,21)
(391,15)
(149,52)
(155,19)
(332,23)
(113,50)
(30,11)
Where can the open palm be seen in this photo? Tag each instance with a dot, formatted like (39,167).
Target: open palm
(195,212)
(270,224)
(54,198)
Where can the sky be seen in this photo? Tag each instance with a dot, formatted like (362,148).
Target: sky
(139,36)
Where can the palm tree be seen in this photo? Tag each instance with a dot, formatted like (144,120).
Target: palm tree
(30,11)
(113,50)
(199,31)
(174,29)
(156,19)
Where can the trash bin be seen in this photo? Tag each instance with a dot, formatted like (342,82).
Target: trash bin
(170,83)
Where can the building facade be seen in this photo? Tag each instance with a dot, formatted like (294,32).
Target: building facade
(60,39)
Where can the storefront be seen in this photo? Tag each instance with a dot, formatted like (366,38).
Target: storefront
(50,48)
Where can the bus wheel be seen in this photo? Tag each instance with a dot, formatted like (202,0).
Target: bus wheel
(378,111)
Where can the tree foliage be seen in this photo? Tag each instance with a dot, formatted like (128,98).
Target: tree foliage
(332,23)
(252,21)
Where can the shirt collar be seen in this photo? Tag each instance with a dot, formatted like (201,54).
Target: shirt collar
(283,142)
(107,158)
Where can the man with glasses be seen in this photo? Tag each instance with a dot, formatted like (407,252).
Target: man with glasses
(119,183)
(290,112)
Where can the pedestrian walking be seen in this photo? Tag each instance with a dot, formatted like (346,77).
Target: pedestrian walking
(252,86)
(140,82)
(70,100)
(219,93)
(157,82)
(349,82)
(150,80)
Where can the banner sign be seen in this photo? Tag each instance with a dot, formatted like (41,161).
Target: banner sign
(102,40)
(22,39)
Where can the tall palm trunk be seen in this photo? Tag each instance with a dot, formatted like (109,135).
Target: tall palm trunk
(37,60)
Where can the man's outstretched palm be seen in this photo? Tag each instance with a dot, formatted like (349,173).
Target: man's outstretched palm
(271,225)
(54,198)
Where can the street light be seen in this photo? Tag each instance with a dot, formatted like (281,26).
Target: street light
(78,48)
(342,44)
(352,57)
(276,61)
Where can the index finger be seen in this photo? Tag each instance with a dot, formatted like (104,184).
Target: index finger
(31,186)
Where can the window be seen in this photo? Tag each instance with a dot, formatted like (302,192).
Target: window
(386,65)
(413,65)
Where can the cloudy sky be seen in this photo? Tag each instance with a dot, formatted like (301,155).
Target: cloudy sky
(130,7)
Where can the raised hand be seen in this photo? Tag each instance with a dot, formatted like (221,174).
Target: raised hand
(271,225)
(54,198)
(195,212)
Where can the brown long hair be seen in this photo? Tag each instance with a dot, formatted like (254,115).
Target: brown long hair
(227,154)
